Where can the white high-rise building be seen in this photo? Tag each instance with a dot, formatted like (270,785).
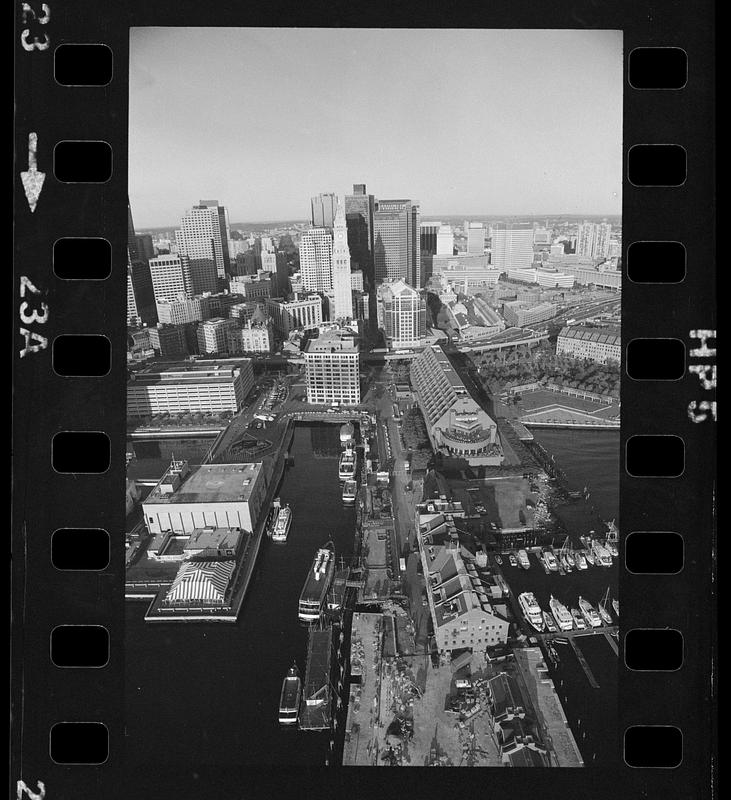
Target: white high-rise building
(512,245)
(170,277)
(331,368)
(401,314)
(316,249)
(445,241)
(341,268)
(203,237)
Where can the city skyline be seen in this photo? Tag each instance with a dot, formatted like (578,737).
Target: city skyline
(304,119)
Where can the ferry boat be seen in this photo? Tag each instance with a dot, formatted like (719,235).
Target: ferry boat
(561,614)
(549,623)
(350,490)
(578,619)
(604,609)
(317,583)
(602,556)
(346,465)
(289,700)
(513,559)
(580,560)
(549,559)
(531,610)
(280,531)
(523,559)
(593,620)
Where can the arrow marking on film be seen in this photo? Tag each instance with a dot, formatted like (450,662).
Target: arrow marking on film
(32,179)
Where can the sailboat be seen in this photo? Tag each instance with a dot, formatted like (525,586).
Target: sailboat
(604,608)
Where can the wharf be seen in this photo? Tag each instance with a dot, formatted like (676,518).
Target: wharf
(315,708)
(584,663)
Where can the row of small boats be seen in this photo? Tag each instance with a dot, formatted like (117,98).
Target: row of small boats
(565,559)
(565,619)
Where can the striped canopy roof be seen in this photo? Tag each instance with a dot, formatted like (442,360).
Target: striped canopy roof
(201,581)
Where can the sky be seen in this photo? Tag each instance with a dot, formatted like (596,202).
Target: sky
(462,121)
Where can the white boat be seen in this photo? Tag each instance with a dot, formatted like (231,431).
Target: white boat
(578,619)
(612,547)
(513,559)
(346,465)
(549,559)
(570,560)
(498,560)
(615,606)
(593,620)
(289,699)
(589,556)
(561,614)
(280,531)
(549,623)
(604,608)
(531,610)
(523,559)
(350,490)
(347,432)
(580,560)
(602,556)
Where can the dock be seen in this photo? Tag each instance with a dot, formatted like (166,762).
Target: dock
(612,642)
(315,709)
(584,664)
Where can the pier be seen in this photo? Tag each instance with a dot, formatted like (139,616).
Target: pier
(584,664)
(315,712)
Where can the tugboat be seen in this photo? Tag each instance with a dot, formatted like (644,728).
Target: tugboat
(289,699)
(590,615)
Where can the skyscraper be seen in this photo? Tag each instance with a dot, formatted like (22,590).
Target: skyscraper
(140,296)
(323,208)
(359,210)
(401,314)
(341,267)
(593,239)
(203,237)
(316,247)
(512,245)
(476,238)
(396,245)
(171,277)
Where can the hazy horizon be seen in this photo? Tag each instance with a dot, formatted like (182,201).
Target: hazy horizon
(262,119)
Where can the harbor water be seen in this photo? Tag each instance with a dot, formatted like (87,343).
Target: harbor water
(208,694)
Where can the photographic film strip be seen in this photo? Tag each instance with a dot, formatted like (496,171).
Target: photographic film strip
(70,376)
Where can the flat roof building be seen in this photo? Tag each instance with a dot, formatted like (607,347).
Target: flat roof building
(180,387)
(210,496)
(331,368)
(401,314)
(596,344)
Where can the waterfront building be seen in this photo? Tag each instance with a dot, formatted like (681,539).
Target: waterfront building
(171,277)
(543,277)
(512,245)
(168,340)
(209,496)
(181,387)
(316,251)
(462,614)
(455,421)
(341,275)
(476,238)
(520,315)
(287,315)
(593,239)
(396,246)
(213,335)
(596,344)
(203,237)
(401,314)
(331,368)
(323,208)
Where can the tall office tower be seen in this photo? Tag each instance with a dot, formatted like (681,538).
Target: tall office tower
(171,278)
(512,245)
(139,281)
(593,239)
(331,368)
(359,210)
(323,208)
(203,237)
(396,246)
(145,247)
(316,249)
(401,314)
(341,268)
(476,238)
(445,241)
(428,237)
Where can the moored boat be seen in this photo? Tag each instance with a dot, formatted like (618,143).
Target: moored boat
(549,559)
(316,584)
(549,623)
(604,608)
(593,620)
(350,490)
(580,560)
(578,619)
(498,560)
(282,524)
(561,614)
(602,556)
(531,610)
(513,559)
(289,699)
(589,556)
(346,465)
(615,606)
(523,559)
